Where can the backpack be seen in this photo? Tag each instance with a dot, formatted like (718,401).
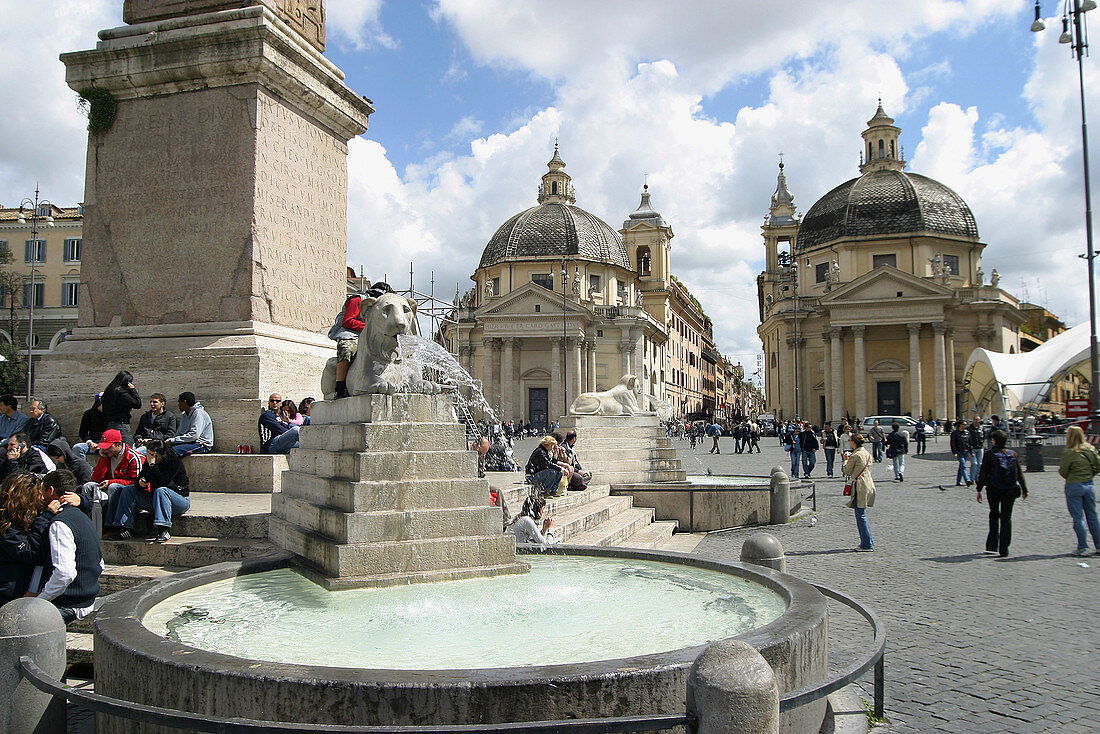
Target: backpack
(1004,470)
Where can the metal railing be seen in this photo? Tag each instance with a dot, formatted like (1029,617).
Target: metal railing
(122,709)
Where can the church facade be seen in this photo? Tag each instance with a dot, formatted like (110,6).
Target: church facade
(872,302)
(564,304)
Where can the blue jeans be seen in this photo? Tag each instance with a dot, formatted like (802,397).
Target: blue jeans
(876,450)
(899,465)
(1081,501)
(82,450)
(186,449)
(865,539)
(975,463)
(830,456)
(809,461)
(796,459)
(961,475)
(162,502)
(283,443)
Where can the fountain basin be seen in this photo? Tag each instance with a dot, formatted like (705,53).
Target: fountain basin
(134,663)
(706,502)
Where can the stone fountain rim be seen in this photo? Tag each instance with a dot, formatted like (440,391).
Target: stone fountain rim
(119,624)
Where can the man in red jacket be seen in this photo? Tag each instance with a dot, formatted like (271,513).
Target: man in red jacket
(118,466)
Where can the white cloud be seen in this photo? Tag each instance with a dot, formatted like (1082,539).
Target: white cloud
(358,24)
(43,137)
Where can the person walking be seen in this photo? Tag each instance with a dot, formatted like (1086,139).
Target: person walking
(919,437)
(1080,463)
(960,449)
(715,432)
(753,430)
(878,437)
(807,441)
(857,463)
(1003,480)
(792,444)
(897,446)
(830,443)
(977,445)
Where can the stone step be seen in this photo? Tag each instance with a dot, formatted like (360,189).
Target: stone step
(418,494)
(654,535)
(616,529)
(235,473)
(182,551)
(643,477)
(683,542)
(385,525)
(219,515)
(404,556)
(514,495)
(383,409)
(78,648)
(388,466)
(117,577)
(574,522)
(384,437)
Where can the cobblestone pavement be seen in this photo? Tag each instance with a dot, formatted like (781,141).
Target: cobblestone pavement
(975,643)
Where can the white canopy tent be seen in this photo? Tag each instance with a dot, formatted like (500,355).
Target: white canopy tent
(995,382)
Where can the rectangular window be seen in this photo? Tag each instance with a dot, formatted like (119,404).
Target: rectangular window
(951,263)
(3,250)
(546,280)
(593,282)
(69,293)
(622,291)
(72,251)
(35,251)
(496,283)
(39,294)
(821,272)
(879,261)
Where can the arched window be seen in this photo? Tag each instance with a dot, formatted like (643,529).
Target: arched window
(643,260)
(554,187)
(881,150)
(892,149)
(870,151)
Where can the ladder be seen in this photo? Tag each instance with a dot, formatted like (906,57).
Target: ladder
(464,417)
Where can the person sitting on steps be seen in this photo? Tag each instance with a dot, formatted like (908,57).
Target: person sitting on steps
(529,526)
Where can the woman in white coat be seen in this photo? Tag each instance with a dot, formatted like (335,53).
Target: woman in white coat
(857,464)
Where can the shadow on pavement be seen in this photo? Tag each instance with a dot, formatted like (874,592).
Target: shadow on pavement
(820,553)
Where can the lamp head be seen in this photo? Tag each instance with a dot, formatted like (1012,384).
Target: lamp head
(1066,36)
(1038,25)
(1087,5)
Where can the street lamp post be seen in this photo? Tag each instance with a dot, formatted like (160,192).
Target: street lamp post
(564,338)
(34,206)
(1075,34)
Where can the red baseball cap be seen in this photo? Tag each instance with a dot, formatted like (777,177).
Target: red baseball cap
(110,438)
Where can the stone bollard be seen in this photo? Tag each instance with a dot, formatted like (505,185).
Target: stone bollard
(764,549)
(731,688)
(34,628)
(780,497)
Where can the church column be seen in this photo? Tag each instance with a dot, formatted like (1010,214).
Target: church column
(556,391)
(836,372)
(591,366)
(915,397)
(464,353)
(507,381)
(860,369)
(488,377)
(940,365)
(951,387)
(576,367)
(624,361)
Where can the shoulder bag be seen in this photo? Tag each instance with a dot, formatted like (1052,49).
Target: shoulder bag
(848,486)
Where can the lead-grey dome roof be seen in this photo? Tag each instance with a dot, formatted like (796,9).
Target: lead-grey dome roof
(552,231)
(886,202)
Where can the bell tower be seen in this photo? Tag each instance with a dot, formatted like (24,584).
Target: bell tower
(648,241)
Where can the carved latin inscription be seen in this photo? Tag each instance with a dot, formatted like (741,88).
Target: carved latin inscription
(307,17)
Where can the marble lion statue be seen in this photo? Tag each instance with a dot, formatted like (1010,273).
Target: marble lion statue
(385,318)
(619,400)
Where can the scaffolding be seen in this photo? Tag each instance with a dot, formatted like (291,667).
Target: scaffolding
(436,312)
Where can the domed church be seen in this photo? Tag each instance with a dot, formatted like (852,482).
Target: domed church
(871,303)
(564,304)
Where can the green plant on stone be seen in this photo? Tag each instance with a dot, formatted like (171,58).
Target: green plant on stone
(100,106)
(872,720)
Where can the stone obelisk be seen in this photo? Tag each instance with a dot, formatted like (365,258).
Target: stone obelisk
(215,232)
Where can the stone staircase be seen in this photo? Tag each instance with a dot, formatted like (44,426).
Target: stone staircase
(594,517)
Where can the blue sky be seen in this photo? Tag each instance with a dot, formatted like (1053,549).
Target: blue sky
(701,95)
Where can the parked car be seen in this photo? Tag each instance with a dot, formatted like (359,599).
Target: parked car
(885,421)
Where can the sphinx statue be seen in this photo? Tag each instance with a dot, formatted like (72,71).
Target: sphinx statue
(619,400)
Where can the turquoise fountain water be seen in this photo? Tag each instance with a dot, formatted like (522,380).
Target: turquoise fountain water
(567,610)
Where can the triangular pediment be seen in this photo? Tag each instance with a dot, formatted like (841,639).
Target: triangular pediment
(522,301)
(884,283)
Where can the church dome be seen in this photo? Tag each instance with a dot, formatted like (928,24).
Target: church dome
(555,228)
(886,202)
(555,231)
